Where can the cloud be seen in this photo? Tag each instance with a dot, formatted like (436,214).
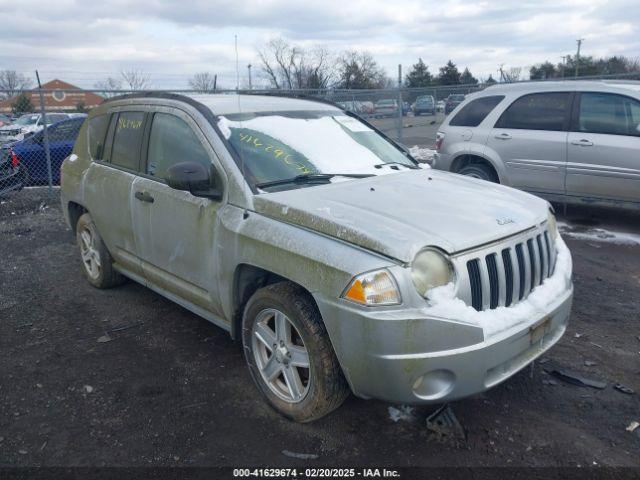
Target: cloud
(84,42)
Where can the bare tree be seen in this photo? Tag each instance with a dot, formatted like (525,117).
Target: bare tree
(288,66)
(136,79)
(512,75)
(360,70)
(108,87)
(12,83)
(203,82)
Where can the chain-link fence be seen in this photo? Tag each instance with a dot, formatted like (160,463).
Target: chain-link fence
(38,128)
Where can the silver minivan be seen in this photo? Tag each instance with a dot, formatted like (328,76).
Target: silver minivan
(574,141)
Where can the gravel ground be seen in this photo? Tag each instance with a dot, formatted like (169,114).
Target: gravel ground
(124,377)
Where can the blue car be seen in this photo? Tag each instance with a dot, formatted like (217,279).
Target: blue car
(29,154)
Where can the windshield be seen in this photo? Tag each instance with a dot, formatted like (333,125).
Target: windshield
(385,103)
(457,98)
(27,120)
(280,145)
(55,117)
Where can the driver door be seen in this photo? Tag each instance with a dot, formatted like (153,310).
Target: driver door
(175,230)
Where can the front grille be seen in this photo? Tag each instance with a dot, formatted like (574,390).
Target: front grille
(507,274)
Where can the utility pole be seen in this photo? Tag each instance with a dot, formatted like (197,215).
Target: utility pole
(579,41)
(249,68)
(400,106)
(45,134)
(564,60)
(501,73)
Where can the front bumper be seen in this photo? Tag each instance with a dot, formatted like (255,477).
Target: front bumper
(400,355)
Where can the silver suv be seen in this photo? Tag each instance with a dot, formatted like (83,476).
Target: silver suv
(339,262)
(576,141)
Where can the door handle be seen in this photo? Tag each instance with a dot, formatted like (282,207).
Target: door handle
(503,136)
(583,142)
(144,197)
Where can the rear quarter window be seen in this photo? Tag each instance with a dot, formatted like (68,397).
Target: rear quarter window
(474,112)
(97,133)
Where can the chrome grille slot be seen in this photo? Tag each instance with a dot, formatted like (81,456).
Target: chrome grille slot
(505,273)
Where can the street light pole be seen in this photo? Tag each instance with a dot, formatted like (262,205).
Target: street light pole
(579,41)
(249,69)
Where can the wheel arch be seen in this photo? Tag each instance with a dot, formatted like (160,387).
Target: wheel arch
(247,279)
(74,212)
(465,159)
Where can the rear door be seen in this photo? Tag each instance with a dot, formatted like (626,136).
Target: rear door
(604,147)
(530,137)
(174,229)
(115,143)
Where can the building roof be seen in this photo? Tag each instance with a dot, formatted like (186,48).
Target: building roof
(58,95)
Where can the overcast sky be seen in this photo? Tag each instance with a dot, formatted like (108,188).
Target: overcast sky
(85,41)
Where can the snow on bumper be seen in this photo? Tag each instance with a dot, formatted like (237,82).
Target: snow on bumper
(448,350)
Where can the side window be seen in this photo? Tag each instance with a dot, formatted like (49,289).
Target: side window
(67,131)
(127,139)
(538,111)
(97,133)
(474,112)
(172,141)
(608,113)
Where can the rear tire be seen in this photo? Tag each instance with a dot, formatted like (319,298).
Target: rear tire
(478,170)
(282,331)
(96,260)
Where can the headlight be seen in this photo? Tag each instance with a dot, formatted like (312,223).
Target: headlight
(552,226)
(430,269)
(373,288)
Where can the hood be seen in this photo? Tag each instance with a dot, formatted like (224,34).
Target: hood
(398,214)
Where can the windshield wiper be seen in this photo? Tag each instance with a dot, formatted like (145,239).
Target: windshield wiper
(397,163)
(311,177)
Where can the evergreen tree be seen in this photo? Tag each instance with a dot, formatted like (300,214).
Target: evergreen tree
(22,105)
(467,79)
(449,74)
(419,76)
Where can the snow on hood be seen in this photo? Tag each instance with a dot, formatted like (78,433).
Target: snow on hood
(399,214)
(444,302)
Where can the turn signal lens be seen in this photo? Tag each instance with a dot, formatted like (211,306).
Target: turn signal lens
(373,288)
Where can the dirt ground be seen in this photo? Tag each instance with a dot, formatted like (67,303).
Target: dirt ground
(124,377)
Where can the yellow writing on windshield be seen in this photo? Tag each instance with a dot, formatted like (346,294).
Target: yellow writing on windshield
(274,151)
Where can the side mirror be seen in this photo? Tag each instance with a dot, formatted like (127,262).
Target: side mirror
(193,177)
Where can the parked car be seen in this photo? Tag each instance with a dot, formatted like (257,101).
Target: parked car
(30,154)
(424,104)
(340,263)
(11,177)
(367,108)
(452,102)
(5,120)
(575,142)
(386,108)
(27,125)
(440,106)
(352,106)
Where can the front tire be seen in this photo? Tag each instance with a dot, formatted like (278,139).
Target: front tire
(289,354)
(477,170)
(96,259)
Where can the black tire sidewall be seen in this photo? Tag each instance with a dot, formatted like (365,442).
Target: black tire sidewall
(480,170)
(265,299)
